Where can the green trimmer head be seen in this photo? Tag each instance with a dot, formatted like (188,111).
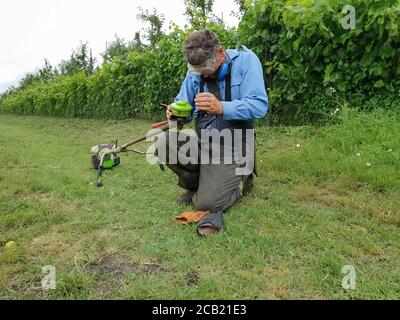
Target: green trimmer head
(181,109)
(110,160)
(103,159)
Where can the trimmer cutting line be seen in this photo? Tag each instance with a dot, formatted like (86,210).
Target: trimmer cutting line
(106,156)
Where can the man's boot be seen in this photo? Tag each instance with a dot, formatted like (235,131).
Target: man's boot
(247,185)
(186,198)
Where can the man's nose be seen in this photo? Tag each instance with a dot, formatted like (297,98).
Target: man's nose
(205,76)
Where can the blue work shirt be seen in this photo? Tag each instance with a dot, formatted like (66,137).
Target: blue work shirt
(249,97)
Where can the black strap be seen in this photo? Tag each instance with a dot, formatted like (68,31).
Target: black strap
(228,81)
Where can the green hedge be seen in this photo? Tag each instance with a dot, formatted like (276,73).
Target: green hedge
(311,64)
(134,85)
(309,58)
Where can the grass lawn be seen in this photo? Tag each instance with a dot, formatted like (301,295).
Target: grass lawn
(326,198)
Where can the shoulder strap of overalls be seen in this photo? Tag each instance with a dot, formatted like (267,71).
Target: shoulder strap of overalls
(228,82)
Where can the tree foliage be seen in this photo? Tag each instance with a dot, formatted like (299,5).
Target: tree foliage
(135,84)
(81,60)
(136,44)
(155,22)
(307,54)
(45,73)
(115,49)
(199,12)
(310,62)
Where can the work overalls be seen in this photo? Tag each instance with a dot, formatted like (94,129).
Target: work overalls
(217,186)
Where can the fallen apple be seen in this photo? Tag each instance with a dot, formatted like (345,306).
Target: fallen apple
(10,245)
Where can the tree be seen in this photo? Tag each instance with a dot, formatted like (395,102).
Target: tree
(81,60)
(136,44)
(45,73)
(117,48)
(199,12)
(155,21)
(243,7)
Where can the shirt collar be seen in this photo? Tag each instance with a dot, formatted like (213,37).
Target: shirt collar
(231,54)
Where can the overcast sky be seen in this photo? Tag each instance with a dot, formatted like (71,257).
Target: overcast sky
(31,30)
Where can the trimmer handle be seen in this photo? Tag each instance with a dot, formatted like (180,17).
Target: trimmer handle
(159,124)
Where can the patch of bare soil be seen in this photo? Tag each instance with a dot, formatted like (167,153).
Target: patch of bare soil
(192,278)
(110,271)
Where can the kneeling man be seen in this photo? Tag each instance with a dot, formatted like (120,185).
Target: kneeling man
(227,92)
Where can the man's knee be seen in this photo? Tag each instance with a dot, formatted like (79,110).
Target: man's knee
(205,202)
(215,201)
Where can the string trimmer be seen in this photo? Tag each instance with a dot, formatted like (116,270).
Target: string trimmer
(106,156)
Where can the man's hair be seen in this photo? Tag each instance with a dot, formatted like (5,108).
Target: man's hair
(200,46)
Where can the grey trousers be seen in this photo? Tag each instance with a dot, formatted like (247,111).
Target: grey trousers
(217,186)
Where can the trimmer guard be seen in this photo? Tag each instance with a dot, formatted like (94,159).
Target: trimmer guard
(109,162)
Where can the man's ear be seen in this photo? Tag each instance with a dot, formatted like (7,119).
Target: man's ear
(221,55)
(221,52)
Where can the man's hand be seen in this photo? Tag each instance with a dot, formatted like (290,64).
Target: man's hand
(207,102)
(168,112)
